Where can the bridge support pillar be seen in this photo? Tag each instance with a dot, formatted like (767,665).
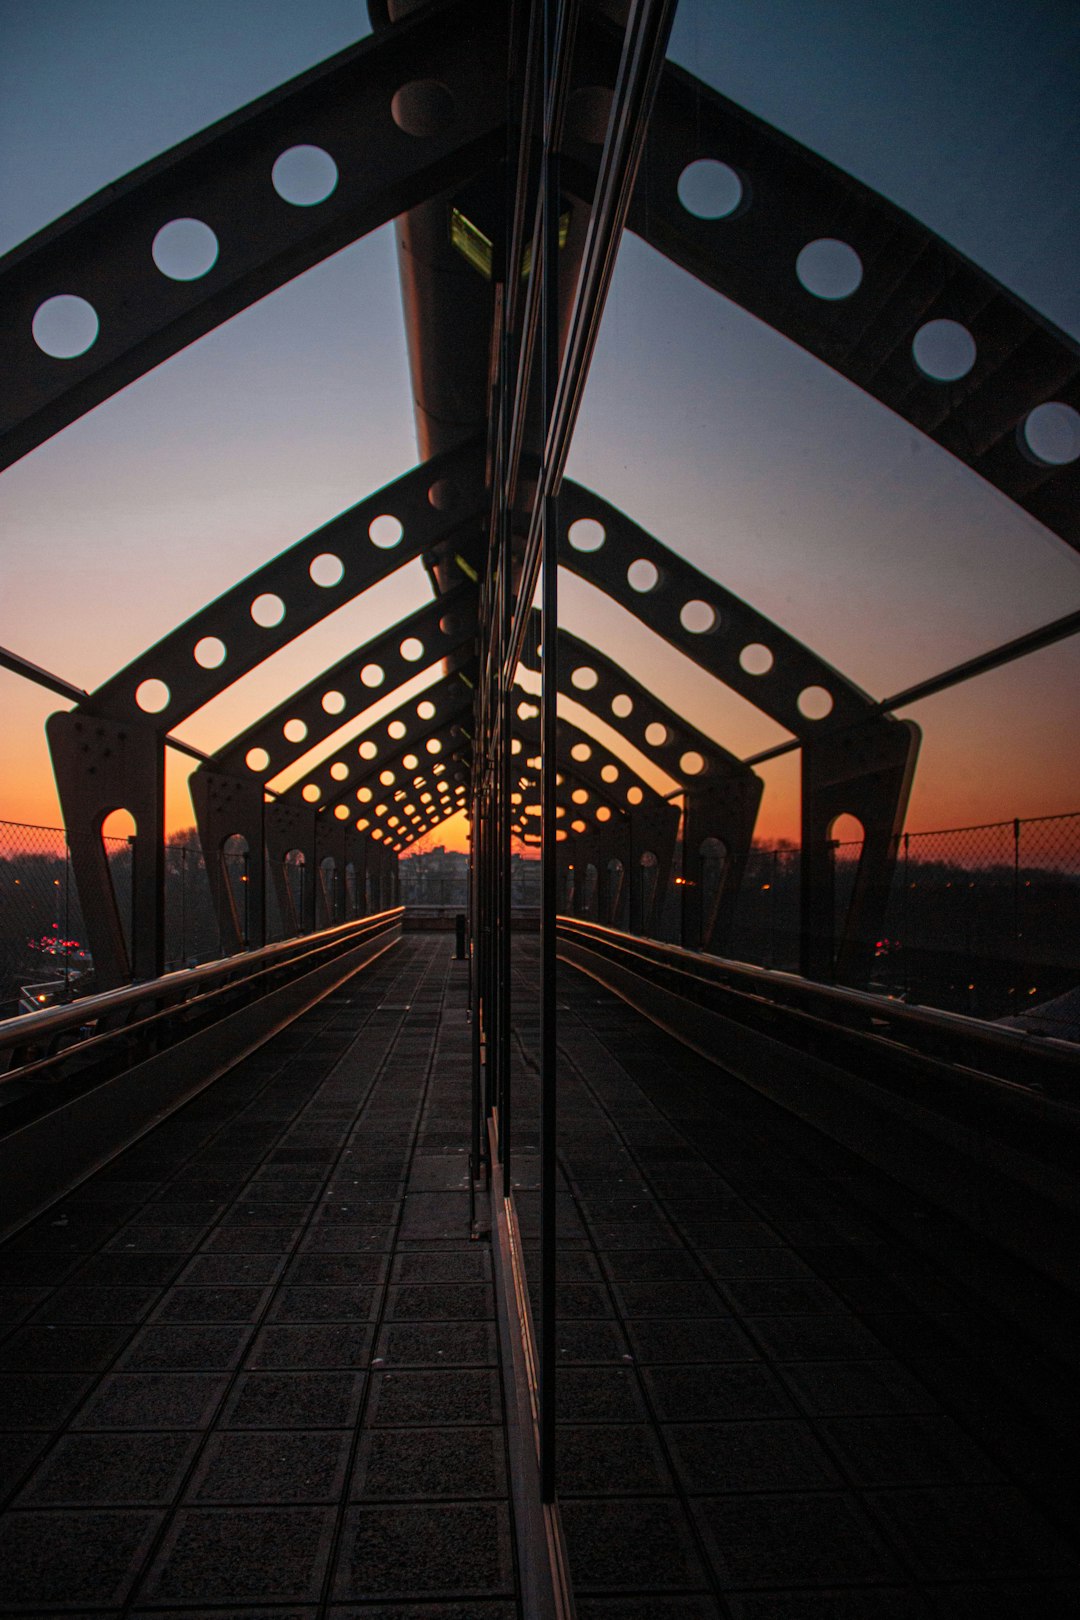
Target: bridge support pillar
(864,771)
(101,766)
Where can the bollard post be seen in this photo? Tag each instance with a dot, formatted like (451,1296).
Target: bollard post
(459,930)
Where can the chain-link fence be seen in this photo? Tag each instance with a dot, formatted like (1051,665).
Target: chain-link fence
(983,920)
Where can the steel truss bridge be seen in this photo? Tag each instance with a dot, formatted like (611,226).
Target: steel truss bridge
(512,146)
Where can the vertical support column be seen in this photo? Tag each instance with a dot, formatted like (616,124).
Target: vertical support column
(863,771)
(101,766)
(549,689)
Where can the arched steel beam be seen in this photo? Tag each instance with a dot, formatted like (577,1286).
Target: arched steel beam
(854,759)
(438,631)
(108,753)
(790,198)
(403,117)
(346,549)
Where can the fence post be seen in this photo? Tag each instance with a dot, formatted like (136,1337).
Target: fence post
(1016,915)
(904,943)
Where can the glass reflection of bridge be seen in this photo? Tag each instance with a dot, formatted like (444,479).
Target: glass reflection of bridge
(590,1269)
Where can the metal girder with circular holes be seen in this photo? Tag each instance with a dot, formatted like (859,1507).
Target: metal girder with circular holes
(854,759)
(438,709)
(279,601)
(432,634)
(401,117)
(778,200)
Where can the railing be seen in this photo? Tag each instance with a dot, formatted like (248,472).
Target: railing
(120,1026)
(836,1023)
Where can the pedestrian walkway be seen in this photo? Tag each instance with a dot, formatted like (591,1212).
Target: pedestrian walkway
(257,1368)
(254,1369)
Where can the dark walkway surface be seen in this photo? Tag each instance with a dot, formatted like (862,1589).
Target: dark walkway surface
(773,1406)
(255,1370)
(258,1364)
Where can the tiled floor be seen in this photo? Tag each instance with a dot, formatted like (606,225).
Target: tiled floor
(252,1367)
(771,1407)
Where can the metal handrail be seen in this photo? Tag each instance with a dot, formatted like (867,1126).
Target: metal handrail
(966,1042)
(100,1016)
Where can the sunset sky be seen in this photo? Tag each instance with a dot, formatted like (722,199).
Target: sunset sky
(765,469)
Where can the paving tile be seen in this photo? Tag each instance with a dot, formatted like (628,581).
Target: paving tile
(970,1532)
(458,1550)
(324,1304)
(652,1265)
(187,1348)
(466,1265)
(112,1269)
(332,1239)
(330,1345)
(17,1303)
(269,1239)
(609,1459)
(712,1339)
(32,1400)
(439,1302)
(242,1555)
(152,1400)
(218,1304)
(597,1395)
(62,1349)
(917,1450)
(287,1400)
(703,1393)
(438,1344)
(341,1270)
(735,1262)
(253,1466)
(18,1449)
(578,1341)
(162,1238)
(115,1470)
(630,1543)
(775,1455)
(72,1557)
(854,1388)
(430,1463)
(433,1399)
(775,1540)
(86,1305)
(814,1338)
(235,1270)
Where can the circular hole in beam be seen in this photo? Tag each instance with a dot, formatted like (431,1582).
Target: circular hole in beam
(584,678)
(944,351)
(304,176)
(756,658)
(642,575)
(656,735)
(339,771)
(152,696)
(622,706)
(829,269)
(65,326)
(815,702)
(267,610)
(185,249)
(372,675)
(709,189)
(333,702)
(385,531)
(412,649)
(692,763)
(1051,434)
(294,731)
(697,617)
(209,652)
(587,534)
(326,570)
(256,759)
